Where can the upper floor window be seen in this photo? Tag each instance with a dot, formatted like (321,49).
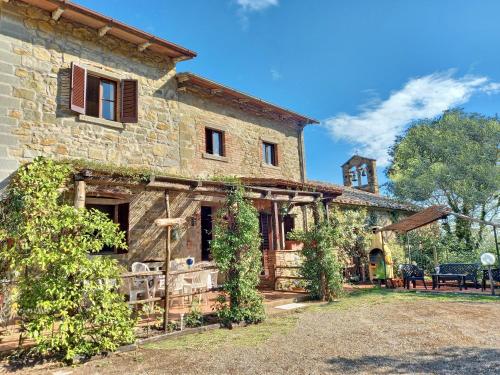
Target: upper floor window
(101,98)
(269,153)
(214,142)
(95,95)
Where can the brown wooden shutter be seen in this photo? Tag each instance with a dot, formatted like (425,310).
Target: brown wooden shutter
(129,100)
(78,88)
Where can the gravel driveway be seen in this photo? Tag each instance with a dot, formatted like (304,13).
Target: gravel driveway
(373,334)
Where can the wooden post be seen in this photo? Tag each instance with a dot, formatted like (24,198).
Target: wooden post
(435,255)
(166,267)
(383,258)
(408,246)
(79,194)
(304,218)
(327,210)
(283,234)
(496,244)
(277,240)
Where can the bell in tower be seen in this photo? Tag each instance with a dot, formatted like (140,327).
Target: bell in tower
(361,173)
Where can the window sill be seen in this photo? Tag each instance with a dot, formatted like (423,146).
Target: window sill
(101,121)
(206,155)
(270,166)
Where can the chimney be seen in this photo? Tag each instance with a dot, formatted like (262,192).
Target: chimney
(361,173)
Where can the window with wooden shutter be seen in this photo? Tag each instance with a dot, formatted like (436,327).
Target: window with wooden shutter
(129,102)
(78,88)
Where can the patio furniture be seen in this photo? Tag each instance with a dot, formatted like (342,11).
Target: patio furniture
(214,275)
(495,273)
(458,271)
(202,282)
(140,285)
(176,285)
(411,273)
(439,279)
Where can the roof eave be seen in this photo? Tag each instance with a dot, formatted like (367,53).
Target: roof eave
(175,51)
(186,78)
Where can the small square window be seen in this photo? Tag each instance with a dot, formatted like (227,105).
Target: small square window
(269,153)
(214,142)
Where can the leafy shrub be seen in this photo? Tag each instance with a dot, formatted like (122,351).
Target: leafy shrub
(236,251)
(68,301)
(194,318)
(322,266)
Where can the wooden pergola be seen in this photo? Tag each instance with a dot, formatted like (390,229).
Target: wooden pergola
(433,214)
(111,187)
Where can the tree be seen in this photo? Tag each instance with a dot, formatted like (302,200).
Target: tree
(68,301)
(236,250)
(450,160)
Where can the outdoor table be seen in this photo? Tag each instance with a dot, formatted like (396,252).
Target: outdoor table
(460,277)
(155,266)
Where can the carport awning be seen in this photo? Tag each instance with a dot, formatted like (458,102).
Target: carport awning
(428,216)
(419,219)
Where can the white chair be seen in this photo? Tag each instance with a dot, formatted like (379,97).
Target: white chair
(201,279)
(176,285)
(139,285)
(214,275)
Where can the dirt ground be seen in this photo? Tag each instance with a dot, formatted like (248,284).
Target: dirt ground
(369,333)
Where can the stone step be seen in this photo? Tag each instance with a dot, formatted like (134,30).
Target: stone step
(8,165)
(286,301)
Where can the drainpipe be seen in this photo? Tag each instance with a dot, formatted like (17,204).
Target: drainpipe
(302,165)
(302,157)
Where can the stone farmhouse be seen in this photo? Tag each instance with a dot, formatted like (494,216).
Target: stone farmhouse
(75,84)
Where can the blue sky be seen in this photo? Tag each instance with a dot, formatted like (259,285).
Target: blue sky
(365,68)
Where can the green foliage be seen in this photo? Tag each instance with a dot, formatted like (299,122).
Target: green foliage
(350,234)
(450,160)
(194,318)
(137,174)
(236,250)
(326,247)
(67,300)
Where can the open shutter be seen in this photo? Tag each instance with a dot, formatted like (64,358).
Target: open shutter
(129,99)
(78,88)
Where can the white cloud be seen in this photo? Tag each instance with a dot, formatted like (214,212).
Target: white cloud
(248,6)
(276,75)
(374,129)
(255,5)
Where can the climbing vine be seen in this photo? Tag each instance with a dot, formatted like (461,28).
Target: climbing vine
(324,256)
(236,250)
(68,301)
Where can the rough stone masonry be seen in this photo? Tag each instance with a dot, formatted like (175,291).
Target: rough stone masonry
(36,53)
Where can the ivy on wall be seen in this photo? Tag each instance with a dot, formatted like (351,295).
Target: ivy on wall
(236,251)
(68,301)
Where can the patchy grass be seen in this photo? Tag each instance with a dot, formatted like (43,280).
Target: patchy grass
(376,296)
(249,336)
(254,335)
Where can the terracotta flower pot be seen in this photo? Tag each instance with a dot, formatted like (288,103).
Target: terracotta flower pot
(294,245)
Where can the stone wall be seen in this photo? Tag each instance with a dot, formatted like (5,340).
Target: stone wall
(243,136)
(35,58)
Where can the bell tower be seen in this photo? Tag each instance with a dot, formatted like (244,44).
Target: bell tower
(361,173)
